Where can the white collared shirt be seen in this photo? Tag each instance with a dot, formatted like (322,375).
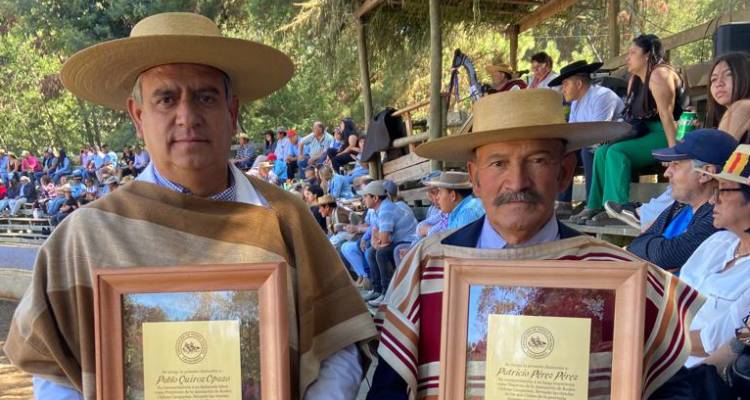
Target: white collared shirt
(489,238)
(727,291)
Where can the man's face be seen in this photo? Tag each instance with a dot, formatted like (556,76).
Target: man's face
(685,182)
(447,200)
(498,78)
(369,200)
(540,70)
(325,211)
(317,129)
(518,182)
(731,210)
(309,196)
(185,119)
(572,89)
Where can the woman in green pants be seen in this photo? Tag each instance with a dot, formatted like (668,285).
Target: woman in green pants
(652,108)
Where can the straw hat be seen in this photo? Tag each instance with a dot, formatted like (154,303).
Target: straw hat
(105,73)
(737,167)
(501,67)
(243,136)
(326,199)
(450,180)
(520,115)
(24,153)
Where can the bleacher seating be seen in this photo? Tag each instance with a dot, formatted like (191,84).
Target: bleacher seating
(24,228)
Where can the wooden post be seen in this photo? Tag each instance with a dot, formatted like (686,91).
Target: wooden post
(364,74)
(513,33)
(364,70)
(613,8)
(436,66)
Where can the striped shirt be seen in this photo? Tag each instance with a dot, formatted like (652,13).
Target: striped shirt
(228,194)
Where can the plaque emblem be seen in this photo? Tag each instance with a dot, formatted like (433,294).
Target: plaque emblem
(191,347)
(537,342)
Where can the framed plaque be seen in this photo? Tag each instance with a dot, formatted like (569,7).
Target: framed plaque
(192,332)
(533,329)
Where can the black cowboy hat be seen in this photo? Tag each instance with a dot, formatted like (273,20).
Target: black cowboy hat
(578,67)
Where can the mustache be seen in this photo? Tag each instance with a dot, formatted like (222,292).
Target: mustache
(526,196)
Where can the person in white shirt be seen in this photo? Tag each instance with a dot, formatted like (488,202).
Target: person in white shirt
(541,72)
(588,103)
(720,268)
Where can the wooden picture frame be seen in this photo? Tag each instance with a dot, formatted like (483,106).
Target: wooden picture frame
(267,279)
(626,279)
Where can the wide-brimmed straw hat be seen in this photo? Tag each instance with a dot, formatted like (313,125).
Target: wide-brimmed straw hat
(737,167)
(576,68)
(521,115)
(450,180)
(105,73)
(500,67)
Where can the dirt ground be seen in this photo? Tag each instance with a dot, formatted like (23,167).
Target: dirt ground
(14,384)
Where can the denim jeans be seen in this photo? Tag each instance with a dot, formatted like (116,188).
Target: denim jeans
(382,267)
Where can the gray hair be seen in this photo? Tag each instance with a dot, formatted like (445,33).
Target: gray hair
(137,95)
(698,164)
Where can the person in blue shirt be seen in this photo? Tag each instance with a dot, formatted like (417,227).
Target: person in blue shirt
(77,188)
(394,226)
(3,167)
(338,186)
(455,197)
(684,225)
(63,166)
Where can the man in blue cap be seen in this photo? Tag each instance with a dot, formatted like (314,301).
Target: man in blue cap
(682,227)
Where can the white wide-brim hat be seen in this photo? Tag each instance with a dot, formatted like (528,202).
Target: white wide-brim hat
(521,115)
(105,73)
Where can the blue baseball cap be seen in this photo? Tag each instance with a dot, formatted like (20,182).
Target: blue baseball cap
(711,146)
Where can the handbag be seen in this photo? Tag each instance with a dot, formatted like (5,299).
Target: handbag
(737,374)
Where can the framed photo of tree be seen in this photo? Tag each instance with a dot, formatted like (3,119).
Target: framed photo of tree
(192,332)
(534,329)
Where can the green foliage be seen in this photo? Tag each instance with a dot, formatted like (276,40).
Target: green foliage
(37,36)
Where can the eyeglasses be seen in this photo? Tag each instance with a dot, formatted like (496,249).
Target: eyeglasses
(718,191)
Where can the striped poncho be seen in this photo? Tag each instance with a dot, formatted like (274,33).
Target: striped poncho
(410,319)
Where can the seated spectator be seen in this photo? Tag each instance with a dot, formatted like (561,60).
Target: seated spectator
(126,166)
(361,169)
(269,142)
(336,184)
(62,166)
(311,176)
(394,226)
(353,251)
(684,225)
(311,195)
(91,186)
(436,219)
(588,103)
(291,158)
(4,167)
(282,152)
(142,159)
(654,102)
(720,268)
(69,205)
(317,144)
(30,165)
(245,154)
(77,187)
(111,155)
(455,197)
(111,183)
(13,168)
(21,191)
(542,74)
(265,171)
(503,78)
(349,148)
(47,192)
(328,208)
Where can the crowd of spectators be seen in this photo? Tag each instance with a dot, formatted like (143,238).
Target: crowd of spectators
(56,184)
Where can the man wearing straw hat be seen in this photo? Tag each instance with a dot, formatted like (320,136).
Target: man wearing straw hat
(182,84)
(503,78)
(455,197)
(518,160)
(245,154)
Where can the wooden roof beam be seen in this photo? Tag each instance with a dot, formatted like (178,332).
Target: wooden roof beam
(544,12)
(367,7)
(523,2)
